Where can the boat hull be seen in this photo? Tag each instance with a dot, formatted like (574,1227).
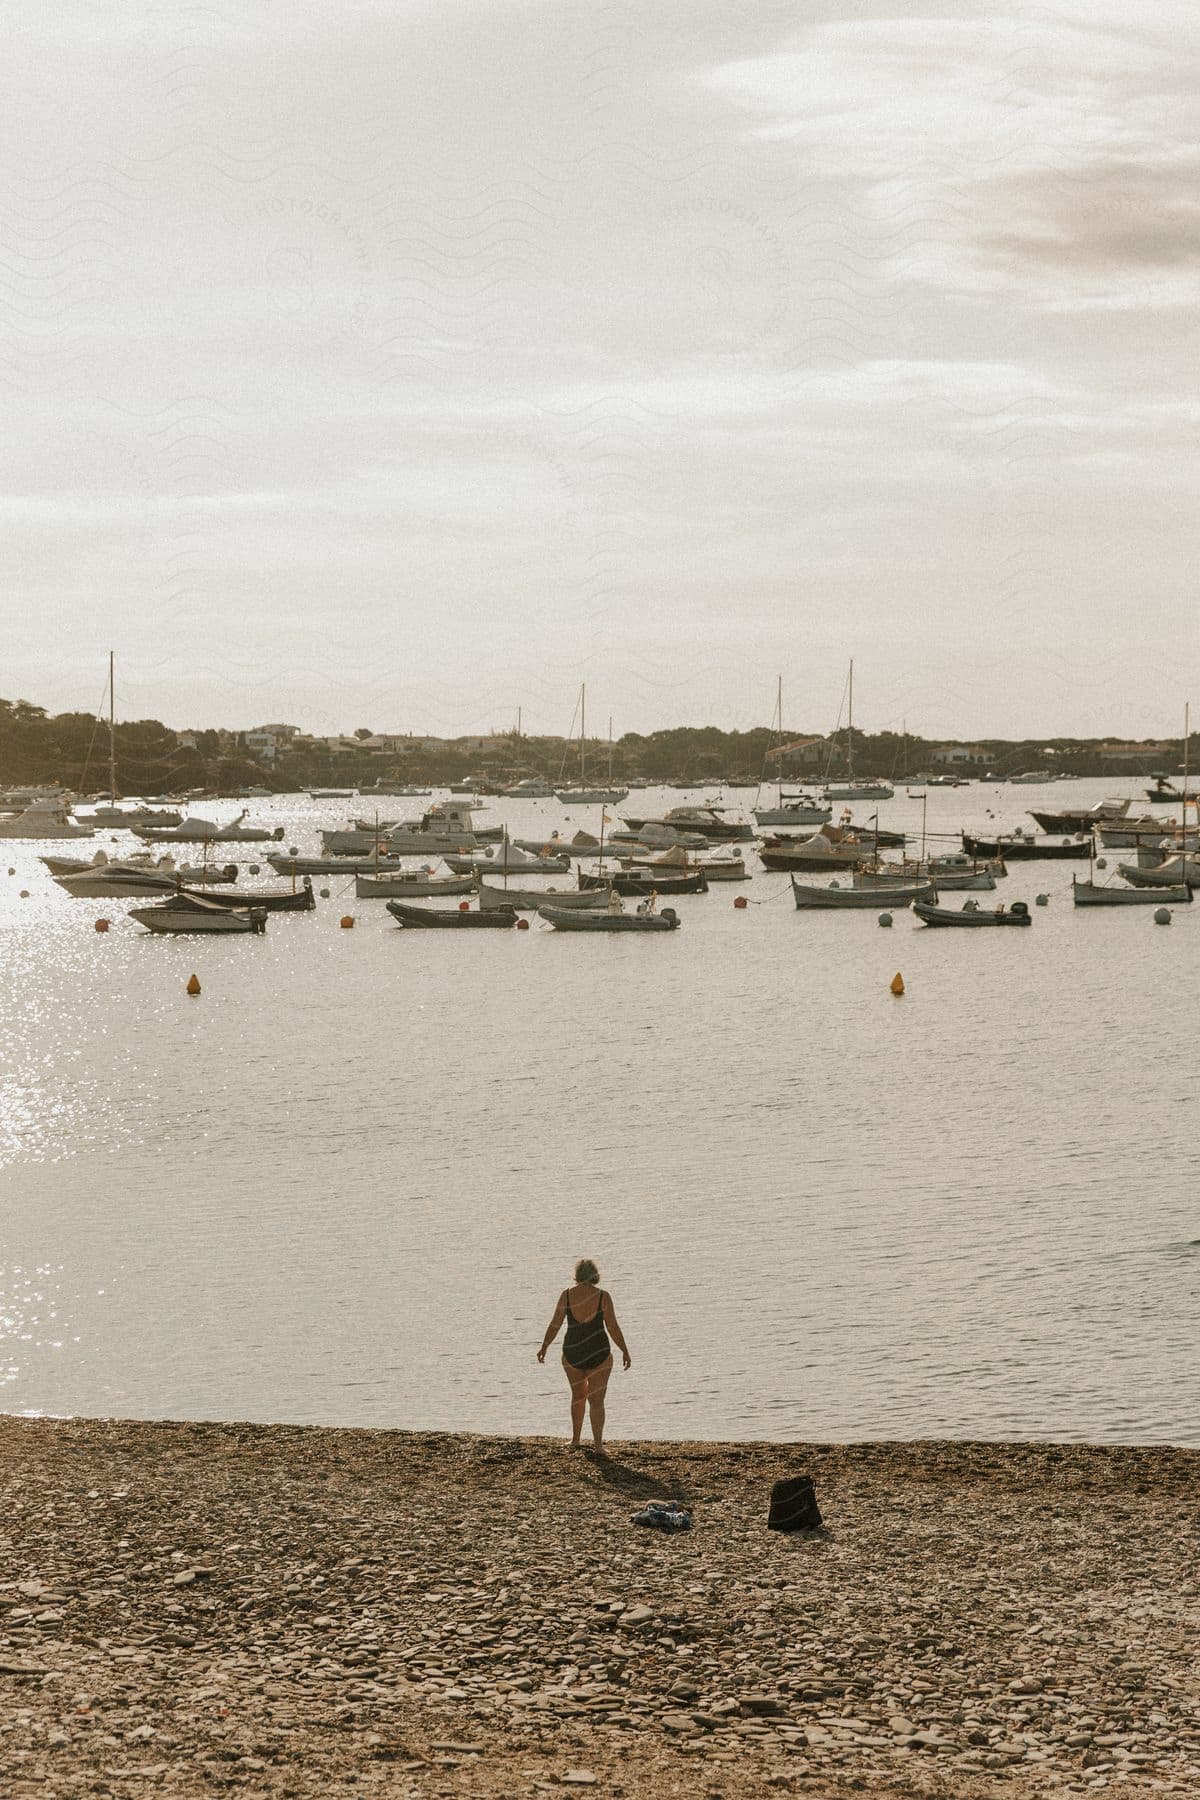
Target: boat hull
(495,899)
(1022,849)
(418,918)
(183,921)
(931,914)
(887,894)
(564,919)
(632,885)
(410,885)
(1088,893)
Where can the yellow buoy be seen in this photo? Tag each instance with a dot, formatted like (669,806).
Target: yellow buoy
(897,984)
(347,922)
(193,986)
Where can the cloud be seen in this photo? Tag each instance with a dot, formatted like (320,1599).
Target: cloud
(1112,218)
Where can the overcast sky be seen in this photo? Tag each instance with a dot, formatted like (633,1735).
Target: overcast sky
(398,365)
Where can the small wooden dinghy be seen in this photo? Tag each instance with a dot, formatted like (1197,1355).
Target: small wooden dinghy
(565,919)
(400,884)
(437,918)
(1090,893)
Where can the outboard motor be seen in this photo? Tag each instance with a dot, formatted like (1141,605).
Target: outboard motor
(669,914)
(1019,908)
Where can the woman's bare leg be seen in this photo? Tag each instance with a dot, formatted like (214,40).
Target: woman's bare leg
(596,1389)
(578,1379)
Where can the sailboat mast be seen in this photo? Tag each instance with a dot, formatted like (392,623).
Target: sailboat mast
(779,741)
(582,733)
(850,729)
(1187,732)
(112,734)
(610,753)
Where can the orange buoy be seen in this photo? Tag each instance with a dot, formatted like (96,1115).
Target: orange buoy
(464,906)
(193,986)
(347,922)
(101,924)
(897,984)
(522,924)
(741,902)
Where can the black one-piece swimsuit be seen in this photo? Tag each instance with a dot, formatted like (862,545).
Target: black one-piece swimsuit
(586,1346)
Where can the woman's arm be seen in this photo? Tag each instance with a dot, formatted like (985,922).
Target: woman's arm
(553,1328)
(614,1331)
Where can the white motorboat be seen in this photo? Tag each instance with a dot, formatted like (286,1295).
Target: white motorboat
(531,788)
(187,914)
(794,811)
(141,859)
(450,826)
(45,821)
(677,861)
(117,880)
(508,858)
(708,822)
(196,831)
(131,817)
(858,790)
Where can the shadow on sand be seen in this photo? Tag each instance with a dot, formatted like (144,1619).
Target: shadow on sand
(663,1484)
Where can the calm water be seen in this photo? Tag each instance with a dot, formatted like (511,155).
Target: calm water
(346,1184)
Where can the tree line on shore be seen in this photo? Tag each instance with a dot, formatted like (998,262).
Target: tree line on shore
(72,749)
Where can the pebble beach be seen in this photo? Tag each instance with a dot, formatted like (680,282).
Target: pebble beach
(291,1611)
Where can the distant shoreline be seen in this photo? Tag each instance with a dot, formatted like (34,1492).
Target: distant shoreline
(306,1609)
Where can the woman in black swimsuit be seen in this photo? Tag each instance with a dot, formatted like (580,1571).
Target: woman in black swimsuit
(587,1353)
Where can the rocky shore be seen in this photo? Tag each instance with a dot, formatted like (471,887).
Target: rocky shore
(283,1611)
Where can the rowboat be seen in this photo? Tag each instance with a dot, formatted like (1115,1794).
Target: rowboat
(816,853)
(1171,873)
(971,914)
(833,899)
(190,914)
(1091,893)
(414,884)
(431,918)
(497,899)
(564,919)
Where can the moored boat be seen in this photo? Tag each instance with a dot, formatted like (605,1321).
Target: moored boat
(1022,849)
(971,914)
(566,919)
(437,918)
(835,899)
(630,884)
(498,899)
(1175,871)
(1091,893)
(410,884)
(188,914)
(299,899)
